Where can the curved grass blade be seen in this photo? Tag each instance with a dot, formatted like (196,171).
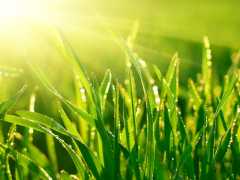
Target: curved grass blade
(106,156)
(91,160)
(68,123)
(54,125)
(225,96)
(26,162)
(31,124)
(65,176)
(108,161)
(77,64)
(45,81)
(44,120)
(188,150)
(8,104)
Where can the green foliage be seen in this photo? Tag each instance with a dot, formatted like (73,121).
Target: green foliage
(154,137)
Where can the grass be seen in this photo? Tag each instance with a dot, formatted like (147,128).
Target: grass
(150,138)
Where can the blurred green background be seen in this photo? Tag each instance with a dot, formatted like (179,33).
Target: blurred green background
(164,28)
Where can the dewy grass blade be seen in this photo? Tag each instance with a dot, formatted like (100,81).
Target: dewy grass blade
(81,102)
(107,159)
(17,169)
(7,175)
(169,75)
(130,144)
(211,139)
(133,114)
(105,87)
(91,160)
(220,152)
(194,94)
(45,81)
(11,135)
(31,124)
(68,123)
(41,119)
(180,120)
(8,104)
(77,64)
(52,152)
(188,150)
(116,132)
(167,135)
(150,137)
(225,96)
(26,162)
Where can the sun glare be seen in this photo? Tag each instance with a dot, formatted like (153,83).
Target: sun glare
(10,10)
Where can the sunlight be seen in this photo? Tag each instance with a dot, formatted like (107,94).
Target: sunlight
(10,10)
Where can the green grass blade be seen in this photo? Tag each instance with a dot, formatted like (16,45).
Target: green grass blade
(8,104)
(65,176)
(188,150)
(167,135)
(211,139)
(220,153)
(31,124)
(81,102)
(133,114)
(8,175)
(17,170)
(130,144)
(91,160)
(169,75)
(225,96)
(11,135)
(97,92)
(101,129)
(52,152)
(68,123)
(26,162)
(77,64)
(105,87)
(45,81)
(44,120)
(40,158)
(150,142)
(116,132)
(194,95)
(117,37)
